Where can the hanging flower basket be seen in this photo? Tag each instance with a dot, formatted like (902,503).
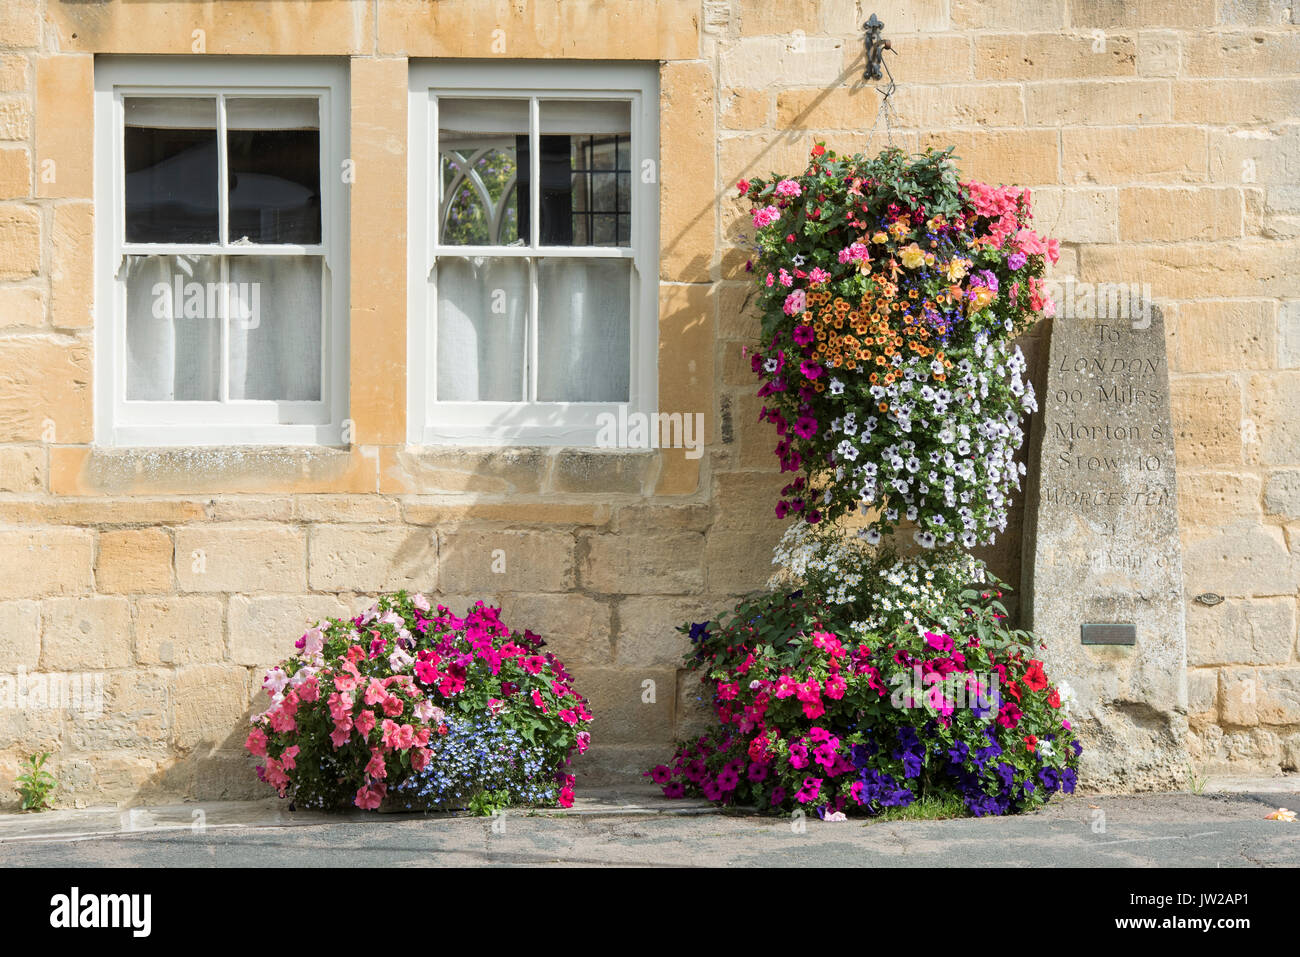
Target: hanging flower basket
(891,294)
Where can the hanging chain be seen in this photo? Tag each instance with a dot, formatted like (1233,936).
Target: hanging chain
(876,45)
(886,110)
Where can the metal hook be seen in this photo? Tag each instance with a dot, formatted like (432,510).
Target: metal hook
(875,46)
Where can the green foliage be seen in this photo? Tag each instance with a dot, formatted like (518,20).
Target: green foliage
(35,784)
(487,803)
(469,218)
(928,807)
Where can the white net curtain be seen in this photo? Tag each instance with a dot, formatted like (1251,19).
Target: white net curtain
(178,304)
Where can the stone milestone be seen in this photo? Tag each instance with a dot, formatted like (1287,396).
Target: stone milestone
(1102,548)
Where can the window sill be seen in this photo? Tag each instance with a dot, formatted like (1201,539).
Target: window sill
(83,470)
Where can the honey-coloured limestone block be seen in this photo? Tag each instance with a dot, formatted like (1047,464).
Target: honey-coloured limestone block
(134,561)
(241,558)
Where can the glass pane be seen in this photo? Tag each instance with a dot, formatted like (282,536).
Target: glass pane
(586,172)
(482,329)
(173,328)
(275,328)
(583,330)
(274,169)
(603,229)
(170,162)
(482,147)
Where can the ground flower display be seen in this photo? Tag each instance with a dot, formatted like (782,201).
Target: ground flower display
(415,705)
(817,715)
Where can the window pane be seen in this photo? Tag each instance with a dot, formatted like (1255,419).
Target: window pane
(482,329)
(170,160)
(482,147)
(275,327)
(274,169)
(586,172)
(173,328)
(583,330)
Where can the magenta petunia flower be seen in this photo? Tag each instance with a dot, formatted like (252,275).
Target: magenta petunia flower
(805,427)
(938,642)
(798,756)
(811,788)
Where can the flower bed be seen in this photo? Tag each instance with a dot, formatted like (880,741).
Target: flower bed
(420,707)
(818,709)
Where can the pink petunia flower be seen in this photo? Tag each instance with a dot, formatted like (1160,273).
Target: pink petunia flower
(256,742)
(364,722)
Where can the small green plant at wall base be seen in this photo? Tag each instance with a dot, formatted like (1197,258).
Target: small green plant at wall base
(35,784)
(487,803)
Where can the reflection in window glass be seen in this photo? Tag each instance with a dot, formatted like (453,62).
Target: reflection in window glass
(482,146)
(586,197)
(170,158)
(274,169)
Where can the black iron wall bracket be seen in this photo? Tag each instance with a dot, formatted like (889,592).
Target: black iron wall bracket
(876,45)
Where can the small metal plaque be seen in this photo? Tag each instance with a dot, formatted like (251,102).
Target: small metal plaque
(1108,634)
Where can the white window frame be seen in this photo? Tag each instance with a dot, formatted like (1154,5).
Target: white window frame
(430,422)
(121,422)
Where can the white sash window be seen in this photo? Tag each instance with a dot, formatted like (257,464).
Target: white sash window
(221,245)
(533,250)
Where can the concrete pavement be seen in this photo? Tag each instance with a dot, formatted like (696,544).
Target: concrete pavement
(1223,827)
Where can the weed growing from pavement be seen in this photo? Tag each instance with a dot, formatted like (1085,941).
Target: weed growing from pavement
(929,807)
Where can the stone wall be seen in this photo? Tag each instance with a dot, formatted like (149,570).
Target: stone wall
(1162,141)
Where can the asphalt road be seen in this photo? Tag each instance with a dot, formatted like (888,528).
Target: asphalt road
(1183,830)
